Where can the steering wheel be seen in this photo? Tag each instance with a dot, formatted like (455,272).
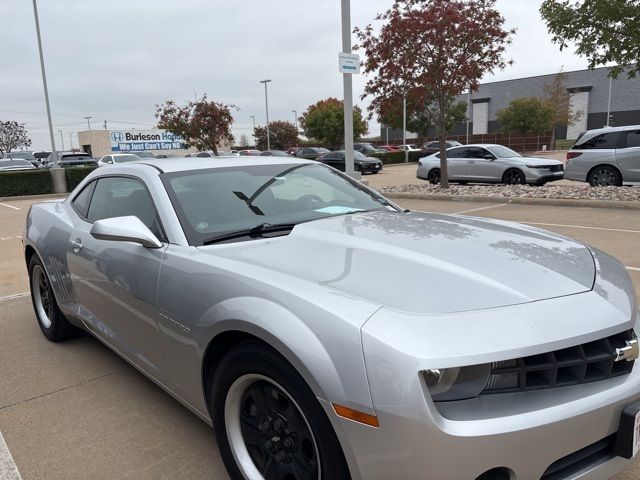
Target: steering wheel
(308,202)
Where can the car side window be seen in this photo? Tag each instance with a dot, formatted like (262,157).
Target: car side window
(81,202)
(457,153)
(633,138)
(600,142)
(479,153)
(120,197)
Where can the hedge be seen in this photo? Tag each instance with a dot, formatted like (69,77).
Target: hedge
(397,157)
(75,175)
(27,182)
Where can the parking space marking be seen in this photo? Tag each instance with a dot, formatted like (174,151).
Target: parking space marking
(635,269)
(583,227)
(9,206)
(481,208)
(11,238)
(8,468)
(11,297)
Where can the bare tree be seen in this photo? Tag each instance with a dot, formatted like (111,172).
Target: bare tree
(13,135)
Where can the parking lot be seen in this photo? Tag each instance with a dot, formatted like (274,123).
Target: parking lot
(76,410)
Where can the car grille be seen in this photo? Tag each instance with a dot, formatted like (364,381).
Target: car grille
(590,362)
(556,168)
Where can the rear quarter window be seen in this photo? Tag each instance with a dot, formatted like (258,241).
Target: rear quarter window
(600,142)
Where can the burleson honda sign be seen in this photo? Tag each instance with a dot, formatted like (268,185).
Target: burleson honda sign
(141,140)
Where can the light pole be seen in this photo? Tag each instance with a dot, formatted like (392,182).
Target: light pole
(347,85)
(44,77)
(609,105)
(88,122)
(266,102)
(404,128)
(61,140)
(295,118)
(468,112)
(253,117)
(71,140)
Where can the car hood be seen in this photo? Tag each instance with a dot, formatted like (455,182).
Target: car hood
(424,263)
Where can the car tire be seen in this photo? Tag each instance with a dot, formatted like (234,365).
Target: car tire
(434,176)
(463,183)
(51,320)
(256,396)
(514,176)
(605,176)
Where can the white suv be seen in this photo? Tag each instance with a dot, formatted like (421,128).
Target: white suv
(606,156)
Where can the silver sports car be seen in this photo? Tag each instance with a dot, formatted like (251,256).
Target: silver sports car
(490,164)
(327,334)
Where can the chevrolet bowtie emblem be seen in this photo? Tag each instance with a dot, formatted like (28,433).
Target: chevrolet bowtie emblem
(628,353)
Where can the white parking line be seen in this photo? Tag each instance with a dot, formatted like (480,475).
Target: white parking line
(8,468)
(481,208)
(17,295)
(635,269)
(583,227)
(10,238)
(9,206)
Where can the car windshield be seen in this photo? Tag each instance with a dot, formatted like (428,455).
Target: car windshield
(503,152)
(74,157)
(358,155)
(144,155)
(321,150)
(14,163)
(216,202)
(23,155)
(125,158)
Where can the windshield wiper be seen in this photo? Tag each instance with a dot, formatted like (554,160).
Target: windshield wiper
(256,231)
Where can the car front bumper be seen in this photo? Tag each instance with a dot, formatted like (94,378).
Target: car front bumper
(542,175)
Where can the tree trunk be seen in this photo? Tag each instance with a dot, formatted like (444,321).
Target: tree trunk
(442,137)
(215,149)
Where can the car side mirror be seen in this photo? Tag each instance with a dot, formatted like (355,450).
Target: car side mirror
(488,156)
(125,229)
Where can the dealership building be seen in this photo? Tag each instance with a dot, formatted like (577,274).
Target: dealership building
(590,93)
(98,143)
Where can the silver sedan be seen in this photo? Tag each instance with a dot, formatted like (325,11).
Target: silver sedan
(488,163)
(328,335)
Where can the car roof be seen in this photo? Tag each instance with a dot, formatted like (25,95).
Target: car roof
(613,129)
(181,164)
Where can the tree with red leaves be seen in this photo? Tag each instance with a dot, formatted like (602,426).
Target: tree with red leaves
(435,49)
(202,124)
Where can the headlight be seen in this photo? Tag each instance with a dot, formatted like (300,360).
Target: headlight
(456,383)
(537,166)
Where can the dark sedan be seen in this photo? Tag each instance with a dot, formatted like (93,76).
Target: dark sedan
(361,163)
(311,153)
(274,153)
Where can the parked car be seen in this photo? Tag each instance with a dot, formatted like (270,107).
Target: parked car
(316,325)
(14,164)
(311,153)
(361,163)
(145,154)
(389,148)
(605,157)
(292,151)
(250,153)
(228,153)
(69,159)
(118,158)
(366,148)
(24,155)
(488,163)
(409,147)
(434,147)
(274,153)
(204,155)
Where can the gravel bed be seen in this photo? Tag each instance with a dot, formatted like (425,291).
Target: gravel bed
(572,192)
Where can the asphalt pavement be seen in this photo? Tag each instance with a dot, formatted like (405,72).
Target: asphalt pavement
(76,410)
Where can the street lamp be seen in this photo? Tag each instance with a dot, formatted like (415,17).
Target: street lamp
(44,77)
(88,123)
(61,139)
(253,118)
(71,140)
(266,102)
(348,91)
(295,118)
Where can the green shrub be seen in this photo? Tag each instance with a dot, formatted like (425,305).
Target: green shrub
(26,182)
(564,144)
(397,157)
(75,175)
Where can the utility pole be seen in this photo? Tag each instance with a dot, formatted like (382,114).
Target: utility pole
(253,117)
(61,140)
(404,128)
(468,112)
(105,125)
(295,118)
(71,140)
(609,105)
(88,122)
(44,77)
(347,83)
(266,102)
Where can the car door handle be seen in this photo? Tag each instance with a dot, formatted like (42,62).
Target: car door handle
(76,245)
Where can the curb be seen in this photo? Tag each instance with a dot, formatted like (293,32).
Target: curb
(43,196)
(556,202)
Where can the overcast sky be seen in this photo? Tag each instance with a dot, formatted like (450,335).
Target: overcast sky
(115,60)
